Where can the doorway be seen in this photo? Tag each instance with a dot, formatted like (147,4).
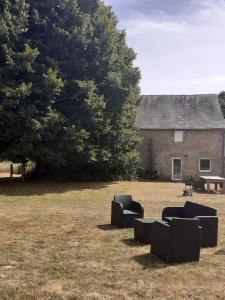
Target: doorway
(176,169)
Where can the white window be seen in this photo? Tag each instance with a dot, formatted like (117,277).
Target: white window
(178,136)
(204,165)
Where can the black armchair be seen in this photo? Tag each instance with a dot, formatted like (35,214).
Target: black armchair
(206,215)
(125,210)
(178,241)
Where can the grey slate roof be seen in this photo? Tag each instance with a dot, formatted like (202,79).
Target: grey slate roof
(180,112)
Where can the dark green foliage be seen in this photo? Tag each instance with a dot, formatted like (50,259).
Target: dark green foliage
(18,121)
(27,91)
(222,102)
(68,89)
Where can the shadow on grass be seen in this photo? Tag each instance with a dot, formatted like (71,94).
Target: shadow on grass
(220,252)
(148,261)
(107,227)
(133,243)
(38,188)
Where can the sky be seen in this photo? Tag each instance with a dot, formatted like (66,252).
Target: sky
(180,44)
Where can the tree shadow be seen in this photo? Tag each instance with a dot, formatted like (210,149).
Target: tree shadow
(220,252)
(38,188)
(133,243)
(107,227)
(149,261)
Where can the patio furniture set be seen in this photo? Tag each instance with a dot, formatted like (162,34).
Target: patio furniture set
(177,236)
(199,185)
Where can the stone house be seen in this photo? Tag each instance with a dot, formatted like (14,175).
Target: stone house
(183,136)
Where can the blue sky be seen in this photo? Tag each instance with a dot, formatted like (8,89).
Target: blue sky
(180,44)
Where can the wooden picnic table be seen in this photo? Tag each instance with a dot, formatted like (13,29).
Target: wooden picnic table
(214,179)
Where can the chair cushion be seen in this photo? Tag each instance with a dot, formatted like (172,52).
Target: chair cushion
(125,200)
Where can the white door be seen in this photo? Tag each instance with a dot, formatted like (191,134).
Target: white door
(176,169)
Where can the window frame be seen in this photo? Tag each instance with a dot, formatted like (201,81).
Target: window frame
(174,137)
(210,165)
(179,158)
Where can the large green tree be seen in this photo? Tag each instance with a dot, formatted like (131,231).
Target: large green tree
(27,92)
(83,87)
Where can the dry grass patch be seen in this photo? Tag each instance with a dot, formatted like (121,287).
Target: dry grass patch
(56,244)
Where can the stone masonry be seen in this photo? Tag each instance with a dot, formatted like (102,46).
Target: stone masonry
(158,149)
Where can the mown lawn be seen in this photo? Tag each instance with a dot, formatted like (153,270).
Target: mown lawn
(55,243)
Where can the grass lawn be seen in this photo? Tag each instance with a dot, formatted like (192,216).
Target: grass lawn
(55,243)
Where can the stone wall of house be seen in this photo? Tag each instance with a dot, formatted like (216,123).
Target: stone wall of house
(158,149)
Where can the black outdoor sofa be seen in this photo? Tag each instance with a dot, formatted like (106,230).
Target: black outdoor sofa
(206,215)
(178,241)
(125,210)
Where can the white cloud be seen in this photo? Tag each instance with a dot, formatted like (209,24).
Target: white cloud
(182,54)
(143,24)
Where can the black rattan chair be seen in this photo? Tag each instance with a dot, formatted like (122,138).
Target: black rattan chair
(178,241)
(207,216)
(125,210)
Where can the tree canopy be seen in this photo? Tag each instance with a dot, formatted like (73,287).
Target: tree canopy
(68,88)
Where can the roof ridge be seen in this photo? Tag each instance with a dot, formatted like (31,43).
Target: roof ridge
(200,111)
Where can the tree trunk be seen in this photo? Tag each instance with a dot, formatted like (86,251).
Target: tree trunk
(23,172)
(11,172)
(39,170)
